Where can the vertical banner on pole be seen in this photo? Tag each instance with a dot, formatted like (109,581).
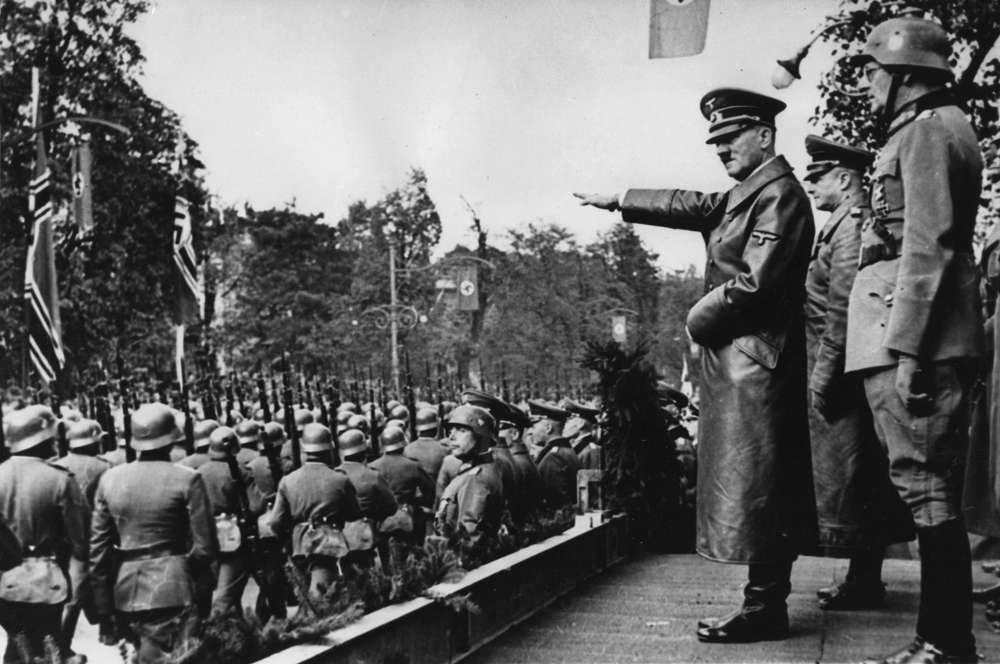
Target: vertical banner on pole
(677,28)
(619,329)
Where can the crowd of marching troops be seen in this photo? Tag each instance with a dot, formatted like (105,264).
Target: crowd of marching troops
(150,534)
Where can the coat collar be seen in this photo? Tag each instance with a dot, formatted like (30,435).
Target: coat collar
(769,172)
(839,214)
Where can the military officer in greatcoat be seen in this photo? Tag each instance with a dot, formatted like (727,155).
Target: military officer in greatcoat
(311,506)
(151,551)
(914,326)
(557,462)
(45,509)
(473,501)
(512,426)
(858,510)
(755,499)
(502,457)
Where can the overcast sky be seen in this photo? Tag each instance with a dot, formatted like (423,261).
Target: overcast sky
(512,104)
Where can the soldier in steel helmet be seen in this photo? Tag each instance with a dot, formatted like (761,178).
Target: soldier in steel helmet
(311,506)
(750,330)
(914,329)
(426,449)
(473,501)
(232,565)
(151,550)
(302,418)
(84,441)
(248,432)
(510,473)
(265,469)
(410,485)
(202,438)
(374,496)
(45,509)
(858,510)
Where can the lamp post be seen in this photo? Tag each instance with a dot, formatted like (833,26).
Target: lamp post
(393,319)
(787,71)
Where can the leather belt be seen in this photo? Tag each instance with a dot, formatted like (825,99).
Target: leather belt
(151,551)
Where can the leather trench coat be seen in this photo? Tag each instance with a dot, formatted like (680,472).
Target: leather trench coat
(755,499)
(857,508)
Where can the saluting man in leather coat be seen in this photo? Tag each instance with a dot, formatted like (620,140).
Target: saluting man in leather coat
(755,496)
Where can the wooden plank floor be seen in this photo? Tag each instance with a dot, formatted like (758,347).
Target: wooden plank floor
(646,610)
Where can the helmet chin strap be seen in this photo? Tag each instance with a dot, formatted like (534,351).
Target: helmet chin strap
(889,110)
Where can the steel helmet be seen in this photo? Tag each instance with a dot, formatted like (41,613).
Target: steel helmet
(359,422)
(29,426)
(154,426)
(248,432)
(316,438)
(393,438)
(477,419)
(908,41)
(223,442)
(302,418)
(274,434)
(83,433)
(202,432)
(351,442)
(427,420)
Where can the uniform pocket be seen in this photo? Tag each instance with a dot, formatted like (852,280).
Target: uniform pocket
(763,348)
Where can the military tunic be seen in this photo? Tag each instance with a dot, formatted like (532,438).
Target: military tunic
(755,497)
(374,497)
(449,469)
(531,479)
(558,470)
(406,479)
(856,505)
(86,470)
(194,461)
(473,500)
(429,453)
(151,551)
(315,492)
(922,299)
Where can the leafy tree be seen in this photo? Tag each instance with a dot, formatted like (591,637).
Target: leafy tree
(974,26)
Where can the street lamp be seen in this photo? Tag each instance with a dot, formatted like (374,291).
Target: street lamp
(787,71)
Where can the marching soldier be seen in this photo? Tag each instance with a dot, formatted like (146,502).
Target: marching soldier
(233,572)
(474,500)
(752,337)
(84,441)
(202,439)
(248,433)
(858,511)
(151,550)
(265,485)
(263,491)
(410,485)
(374,496)
(302,418)
(311,506)
(914,327)
(426,449)
(557,462)
(45,509)
(117,456)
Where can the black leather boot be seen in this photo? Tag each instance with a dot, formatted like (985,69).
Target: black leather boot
(764,614)
(862,589)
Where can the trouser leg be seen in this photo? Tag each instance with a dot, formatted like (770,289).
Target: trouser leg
(233,576)
(866,568)
(27,625)
(945,614)
(768,586)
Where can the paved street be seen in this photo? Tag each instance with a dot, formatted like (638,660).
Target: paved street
(645,611)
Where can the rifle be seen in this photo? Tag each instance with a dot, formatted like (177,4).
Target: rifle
(208,400)
(249,533)
(229,401)
(275,399)
(293,432)
(239,396)
(262,395)
(186,409)
(411,403)
(324,414)
(334,397)
(372,431)
(308,392)
(273,462)
(126,420)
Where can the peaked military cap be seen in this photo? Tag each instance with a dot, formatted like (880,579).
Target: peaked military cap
(669,395)
(826,154)
(548,411)
(585,412)
(731,110)
(496,407)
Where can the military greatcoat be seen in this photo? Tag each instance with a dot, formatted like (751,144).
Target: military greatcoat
(755,493)
(857,507)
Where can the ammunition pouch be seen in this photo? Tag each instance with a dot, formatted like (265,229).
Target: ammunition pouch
(323,539)
(401,522)
(227,533)
(37,580)
(360,535)
(878,242)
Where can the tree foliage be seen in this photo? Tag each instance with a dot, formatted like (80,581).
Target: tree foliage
(974,27)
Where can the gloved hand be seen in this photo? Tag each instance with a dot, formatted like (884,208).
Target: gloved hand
(913,386)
